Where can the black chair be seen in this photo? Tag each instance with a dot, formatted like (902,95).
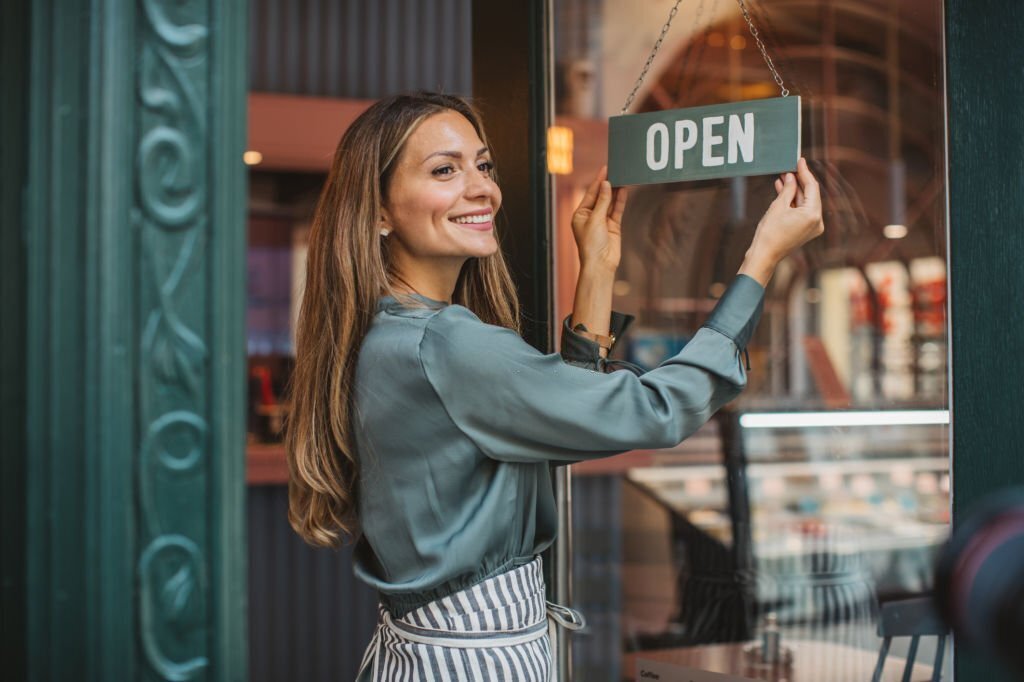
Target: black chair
(914,618)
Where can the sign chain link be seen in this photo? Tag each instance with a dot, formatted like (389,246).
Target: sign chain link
(650,59)
(760,45)
(661,37)
(695,59)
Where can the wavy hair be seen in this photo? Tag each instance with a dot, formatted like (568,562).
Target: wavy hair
(347,271)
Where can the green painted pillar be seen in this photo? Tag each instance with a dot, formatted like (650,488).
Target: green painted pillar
(986,210)
(128,470)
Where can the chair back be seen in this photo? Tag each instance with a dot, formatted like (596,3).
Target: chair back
(914,618)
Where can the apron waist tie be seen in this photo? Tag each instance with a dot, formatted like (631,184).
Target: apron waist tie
(565,617)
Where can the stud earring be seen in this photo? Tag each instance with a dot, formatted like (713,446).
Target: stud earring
(384,232)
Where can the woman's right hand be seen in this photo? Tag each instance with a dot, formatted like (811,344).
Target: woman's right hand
(597,225)
(792,220)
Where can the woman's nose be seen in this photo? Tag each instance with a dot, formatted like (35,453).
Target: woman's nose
(481,185)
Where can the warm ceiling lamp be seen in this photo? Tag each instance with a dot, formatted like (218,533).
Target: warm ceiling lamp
(252,157)
(895,231)
(559,150)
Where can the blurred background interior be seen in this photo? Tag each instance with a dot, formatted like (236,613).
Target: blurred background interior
(824,491)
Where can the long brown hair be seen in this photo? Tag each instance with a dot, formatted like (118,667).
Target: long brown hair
(347,271)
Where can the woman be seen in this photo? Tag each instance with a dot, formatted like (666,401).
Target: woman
(423,425)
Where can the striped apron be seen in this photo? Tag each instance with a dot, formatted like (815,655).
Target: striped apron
(499,629)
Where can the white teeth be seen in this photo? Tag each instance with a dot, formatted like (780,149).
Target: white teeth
(473,219)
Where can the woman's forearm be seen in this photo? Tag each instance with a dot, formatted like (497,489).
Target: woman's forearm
(592,304)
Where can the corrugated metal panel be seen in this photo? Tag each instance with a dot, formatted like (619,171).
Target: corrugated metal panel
(597,575)
(310,619)
(358,49)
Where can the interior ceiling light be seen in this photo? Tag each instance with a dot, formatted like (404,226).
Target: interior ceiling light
(895,231)
(559,150)
(798,420)
(252,157)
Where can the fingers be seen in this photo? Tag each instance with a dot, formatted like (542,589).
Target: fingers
(788,191)
(619,205)
(590,196)
(604,198)
(810,192)
(592,190)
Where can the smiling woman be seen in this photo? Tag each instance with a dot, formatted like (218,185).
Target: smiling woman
(424,426)
(440,205)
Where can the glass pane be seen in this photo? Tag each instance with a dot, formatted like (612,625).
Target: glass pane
(280,208)
(822,493)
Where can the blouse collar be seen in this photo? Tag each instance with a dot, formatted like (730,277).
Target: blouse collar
(409,301)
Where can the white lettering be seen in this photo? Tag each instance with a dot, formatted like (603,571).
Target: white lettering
(741,137)
(718,144)
(711,140)
(686,138)
(657,159)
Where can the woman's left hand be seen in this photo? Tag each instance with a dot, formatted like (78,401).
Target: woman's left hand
(597,224)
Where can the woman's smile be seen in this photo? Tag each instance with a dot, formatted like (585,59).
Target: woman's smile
(441,203)
(482,220)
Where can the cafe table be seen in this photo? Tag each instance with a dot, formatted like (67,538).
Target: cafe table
(812,661)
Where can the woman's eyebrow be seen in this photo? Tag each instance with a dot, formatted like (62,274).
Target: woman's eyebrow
(454,155)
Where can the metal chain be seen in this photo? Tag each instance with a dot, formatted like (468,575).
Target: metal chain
(695,59)
(650,59)
(661,37)
(760,46)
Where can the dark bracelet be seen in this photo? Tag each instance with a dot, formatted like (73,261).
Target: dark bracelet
(605,342)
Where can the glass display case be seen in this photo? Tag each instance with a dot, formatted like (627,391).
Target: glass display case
(805,507)
(801,519)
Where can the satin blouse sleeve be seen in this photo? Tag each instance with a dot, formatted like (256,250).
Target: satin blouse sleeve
(520,405)
(578,350)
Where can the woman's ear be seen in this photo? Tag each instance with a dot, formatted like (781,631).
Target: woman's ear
(385,227)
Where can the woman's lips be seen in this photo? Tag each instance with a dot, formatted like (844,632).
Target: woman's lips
(479,226)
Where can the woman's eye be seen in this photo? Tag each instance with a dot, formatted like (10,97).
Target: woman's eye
(486,166)
(443,170)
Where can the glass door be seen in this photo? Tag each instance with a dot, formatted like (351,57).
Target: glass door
(767,545)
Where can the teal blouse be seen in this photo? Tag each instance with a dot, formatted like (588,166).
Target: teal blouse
(457,423)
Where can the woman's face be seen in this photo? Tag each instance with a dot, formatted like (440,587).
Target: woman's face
(441,201)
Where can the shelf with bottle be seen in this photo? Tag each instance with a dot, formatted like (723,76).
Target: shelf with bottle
(280,207)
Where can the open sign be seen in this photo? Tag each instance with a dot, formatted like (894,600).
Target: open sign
(755,137)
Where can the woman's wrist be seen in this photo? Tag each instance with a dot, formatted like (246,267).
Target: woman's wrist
(759,266)
(596,270)
(592,303)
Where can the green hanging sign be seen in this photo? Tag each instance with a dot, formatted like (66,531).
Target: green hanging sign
(756,137)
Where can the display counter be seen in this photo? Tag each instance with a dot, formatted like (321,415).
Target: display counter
(815,525)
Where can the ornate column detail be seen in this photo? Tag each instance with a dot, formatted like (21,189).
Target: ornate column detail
(172,219)
(131,559)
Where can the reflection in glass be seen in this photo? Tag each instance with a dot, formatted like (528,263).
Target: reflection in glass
(756,524)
